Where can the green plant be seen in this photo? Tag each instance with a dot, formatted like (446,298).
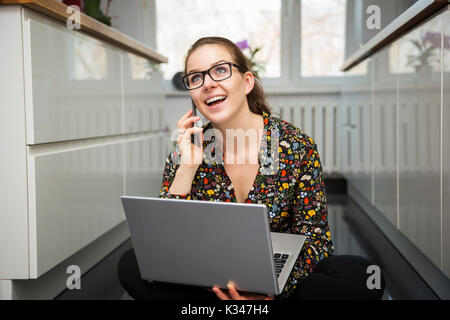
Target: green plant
(256,66)
(92,9)
(425,56)
(250,54)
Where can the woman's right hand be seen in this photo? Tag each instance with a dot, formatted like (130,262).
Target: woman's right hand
(190,153)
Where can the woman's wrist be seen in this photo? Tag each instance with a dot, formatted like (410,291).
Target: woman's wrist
(182,182)
(187,170)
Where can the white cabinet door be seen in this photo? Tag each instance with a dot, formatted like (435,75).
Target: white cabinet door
(385,133)
(73,83)
(74,198)
(420,141)
(144,165)
(13,163)
(356,139)
(143,94)
(446,149)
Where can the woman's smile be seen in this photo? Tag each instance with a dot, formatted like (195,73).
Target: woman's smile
(215,102)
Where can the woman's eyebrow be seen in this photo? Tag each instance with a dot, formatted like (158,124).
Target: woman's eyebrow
(212,64)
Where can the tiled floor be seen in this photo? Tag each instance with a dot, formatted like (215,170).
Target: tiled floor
(348,237)
(102,283)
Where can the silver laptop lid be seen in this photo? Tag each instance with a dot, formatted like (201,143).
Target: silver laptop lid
(202,243)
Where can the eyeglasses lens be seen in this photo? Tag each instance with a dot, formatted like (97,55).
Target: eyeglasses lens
(217,73)
(220,72)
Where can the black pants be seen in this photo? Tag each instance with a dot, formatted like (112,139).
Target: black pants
(335,278)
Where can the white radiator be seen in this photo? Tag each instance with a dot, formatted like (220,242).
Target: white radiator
(319,119)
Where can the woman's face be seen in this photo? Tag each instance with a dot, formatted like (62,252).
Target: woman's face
(235,88)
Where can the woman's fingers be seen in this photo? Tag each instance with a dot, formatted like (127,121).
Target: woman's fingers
(233,292)
(220,294)
(190,153)
(186,133)
(184,117)
(187,119)
(188,123)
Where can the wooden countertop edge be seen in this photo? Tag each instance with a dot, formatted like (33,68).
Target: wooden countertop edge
(419,12)
(57,10)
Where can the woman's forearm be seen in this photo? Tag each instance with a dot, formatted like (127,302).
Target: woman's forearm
(182,182)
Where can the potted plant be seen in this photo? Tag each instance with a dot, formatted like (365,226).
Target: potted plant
(427,54)
(250,54)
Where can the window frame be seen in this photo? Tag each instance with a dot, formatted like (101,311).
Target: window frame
(290,79)
(291,56)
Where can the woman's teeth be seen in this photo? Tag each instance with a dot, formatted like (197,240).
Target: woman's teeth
(211,101)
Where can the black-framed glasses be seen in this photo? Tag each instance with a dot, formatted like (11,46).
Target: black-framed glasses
(218,72)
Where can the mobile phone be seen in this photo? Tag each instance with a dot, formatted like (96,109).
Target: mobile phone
(194,137)
(194,108)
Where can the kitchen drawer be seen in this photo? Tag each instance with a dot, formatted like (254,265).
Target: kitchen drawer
(143,94)
(74,198)
(144,165)
(72,83)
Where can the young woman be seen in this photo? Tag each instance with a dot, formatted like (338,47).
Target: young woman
(287,179)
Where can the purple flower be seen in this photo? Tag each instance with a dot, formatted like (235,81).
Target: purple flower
(243,44)
(446,42)
(434,38)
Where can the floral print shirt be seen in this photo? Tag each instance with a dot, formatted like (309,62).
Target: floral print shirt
(291,187)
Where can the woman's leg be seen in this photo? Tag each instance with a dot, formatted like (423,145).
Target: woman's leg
(139,289)
(339,278)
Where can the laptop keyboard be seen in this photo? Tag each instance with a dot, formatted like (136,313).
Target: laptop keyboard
(280,261)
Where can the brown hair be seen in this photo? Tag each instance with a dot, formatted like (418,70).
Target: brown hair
(256,98)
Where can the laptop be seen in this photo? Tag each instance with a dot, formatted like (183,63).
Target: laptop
(204,243)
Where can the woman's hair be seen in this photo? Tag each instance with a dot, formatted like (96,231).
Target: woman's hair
(256,98)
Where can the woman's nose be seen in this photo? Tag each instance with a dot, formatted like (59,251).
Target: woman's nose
(208,82)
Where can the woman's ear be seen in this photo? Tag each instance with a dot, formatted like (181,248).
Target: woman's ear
(249,79)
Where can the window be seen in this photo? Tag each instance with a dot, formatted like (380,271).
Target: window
(181,22)
(303,40)
(322,37)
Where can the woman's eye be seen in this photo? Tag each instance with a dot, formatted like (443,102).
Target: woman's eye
(195,78)
(220,70)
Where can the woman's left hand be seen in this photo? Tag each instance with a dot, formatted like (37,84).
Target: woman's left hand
(234,295)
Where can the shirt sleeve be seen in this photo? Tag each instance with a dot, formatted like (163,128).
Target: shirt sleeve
(170,169)
(309,217)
